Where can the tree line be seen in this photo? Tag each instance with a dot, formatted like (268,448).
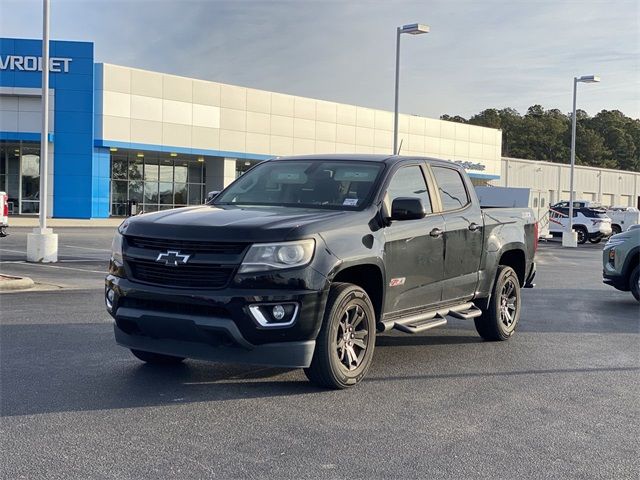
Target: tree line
(610,139)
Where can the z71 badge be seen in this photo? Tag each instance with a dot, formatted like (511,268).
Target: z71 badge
(396,282)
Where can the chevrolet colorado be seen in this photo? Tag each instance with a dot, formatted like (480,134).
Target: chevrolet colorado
(302,260)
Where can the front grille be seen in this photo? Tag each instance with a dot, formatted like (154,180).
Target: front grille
(187,276)
(187,246)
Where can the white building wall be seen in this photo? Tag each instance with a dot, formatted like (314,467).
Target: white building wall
(137,106)
(610,187)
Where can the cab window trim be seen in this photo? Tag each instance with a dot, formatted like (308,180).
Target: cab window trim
(464,184)
(425,176)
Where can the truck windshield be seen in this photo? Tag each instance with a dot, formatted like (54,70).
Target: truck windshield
(311,184)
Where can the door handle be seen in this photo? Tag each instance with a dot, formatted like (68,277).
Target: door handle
(436,232)
(474,226)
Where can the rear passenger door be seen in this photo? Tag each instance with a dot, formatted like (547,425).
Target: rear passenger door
(414,255)
(463,235)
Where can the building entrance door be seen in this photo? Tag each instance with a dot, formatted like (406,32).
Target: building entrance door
(20,176)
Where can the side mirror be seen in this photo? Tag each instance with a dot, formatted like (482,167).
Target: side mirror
(211,195)
(407,208)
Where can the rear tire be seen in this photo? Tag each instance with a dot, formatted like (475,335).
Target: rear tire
(156,358)
(634,283)
(615,229)
(344,347)
(500,319)
(582,235)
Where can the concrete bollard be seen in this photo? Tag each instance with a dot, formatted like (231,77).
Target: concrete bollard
(42,246)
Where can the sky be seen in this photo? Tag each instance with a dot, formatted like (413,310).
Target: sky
(479,54)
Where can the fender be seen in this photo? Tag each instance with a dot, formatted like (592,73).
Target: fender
(627,268)
(489,267)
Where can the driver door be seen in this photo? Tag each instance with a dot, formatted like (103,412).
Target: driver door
(414,249)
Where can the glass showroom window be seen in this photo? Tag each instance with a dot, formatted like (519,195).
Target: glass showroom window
(155,181)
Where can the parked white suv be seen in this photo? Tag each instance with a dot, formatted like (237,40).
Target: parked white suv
(590,223)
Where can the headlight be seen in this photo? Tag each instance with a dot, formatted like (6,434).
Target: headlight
(275,256)
(116,249)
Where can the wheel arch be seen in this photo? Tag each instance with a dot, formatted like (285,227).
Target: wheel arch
(515,258)
(632,259)
(369,276)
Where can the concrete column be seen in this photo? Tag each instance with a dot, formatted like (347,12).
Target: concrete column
(220,172)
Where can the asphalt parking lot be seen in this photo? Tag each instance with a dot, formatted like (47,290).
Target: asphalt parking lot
(559,400)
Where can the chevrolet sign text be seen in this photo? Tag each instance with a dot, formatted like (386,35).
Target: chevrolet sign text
(33,64)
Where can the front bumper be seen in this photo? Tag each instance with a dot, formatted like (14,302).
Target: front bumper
(616,281)
(215,325)
(225,342)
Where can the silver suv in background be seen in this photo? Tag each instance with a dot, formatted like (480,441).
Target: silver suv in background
(621,262)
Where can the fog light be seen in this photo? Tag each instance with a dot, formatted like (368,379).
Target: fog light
(111,295)
(278,312)
(278,315)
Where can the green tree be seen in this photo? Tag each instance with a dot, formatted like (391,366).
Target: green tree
(610,139)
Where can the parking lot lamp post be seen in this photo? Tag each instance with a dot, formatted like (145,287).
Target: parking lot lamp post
(42,244)
(569,237)
(412,29)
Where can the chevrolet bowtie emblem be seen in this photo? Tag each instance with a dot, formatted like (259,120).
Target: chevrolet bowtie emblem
(173,258)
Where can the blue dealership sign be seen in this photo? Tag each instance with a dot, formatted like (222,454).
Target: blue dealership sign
(81,177)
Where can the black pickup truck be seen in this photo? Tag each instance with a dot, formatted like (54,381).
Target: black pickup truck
(302,261)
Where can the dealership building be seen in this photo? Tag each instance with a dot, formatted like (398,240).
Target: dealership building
(119,135)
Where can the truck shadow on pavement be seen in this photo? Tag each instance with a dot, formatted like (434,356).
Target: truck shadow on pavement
(67,367)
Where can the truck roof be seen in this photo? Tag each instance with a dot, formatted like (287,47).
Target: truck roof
(362,157)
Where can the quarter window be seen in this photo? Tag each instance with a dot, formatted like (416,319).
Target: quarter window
(451,186)
(409,182)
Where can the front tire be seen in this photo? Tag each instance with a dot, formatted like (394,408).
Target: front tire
(156,358)
(500,319)
(344,347)
(596,239)
(634,283)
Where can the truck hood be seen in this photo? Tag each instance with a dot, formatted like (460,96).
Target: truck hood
(226,223)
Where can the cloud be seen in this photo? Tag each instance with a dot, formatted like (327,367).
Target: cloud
(478,55)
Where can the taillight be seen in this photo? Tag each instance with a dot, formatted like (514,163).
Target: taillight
(535,237)
(5,207)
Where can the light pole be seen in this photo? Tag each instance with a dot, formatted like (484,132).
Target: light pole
(412,29)
(569,237)
(42,244)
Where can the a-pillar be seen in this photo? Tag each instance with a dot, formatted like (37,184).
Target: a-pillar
(220,172)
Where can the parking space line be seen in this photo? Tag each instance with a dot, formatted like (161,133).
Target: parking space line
(12,251)
(88,248)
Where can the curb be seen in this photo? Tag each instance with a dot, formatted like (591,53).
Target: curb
(9,283)
(32,222)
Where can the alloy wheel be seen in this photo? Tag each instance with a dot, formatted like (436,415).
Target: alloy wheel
(508,303)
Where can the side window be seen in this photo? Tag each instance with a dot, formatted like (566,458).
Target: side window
(409,182)
(452,190)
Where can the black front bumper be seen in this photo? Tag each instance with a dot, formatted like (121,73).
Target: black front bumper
(214,325)
(227,343)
